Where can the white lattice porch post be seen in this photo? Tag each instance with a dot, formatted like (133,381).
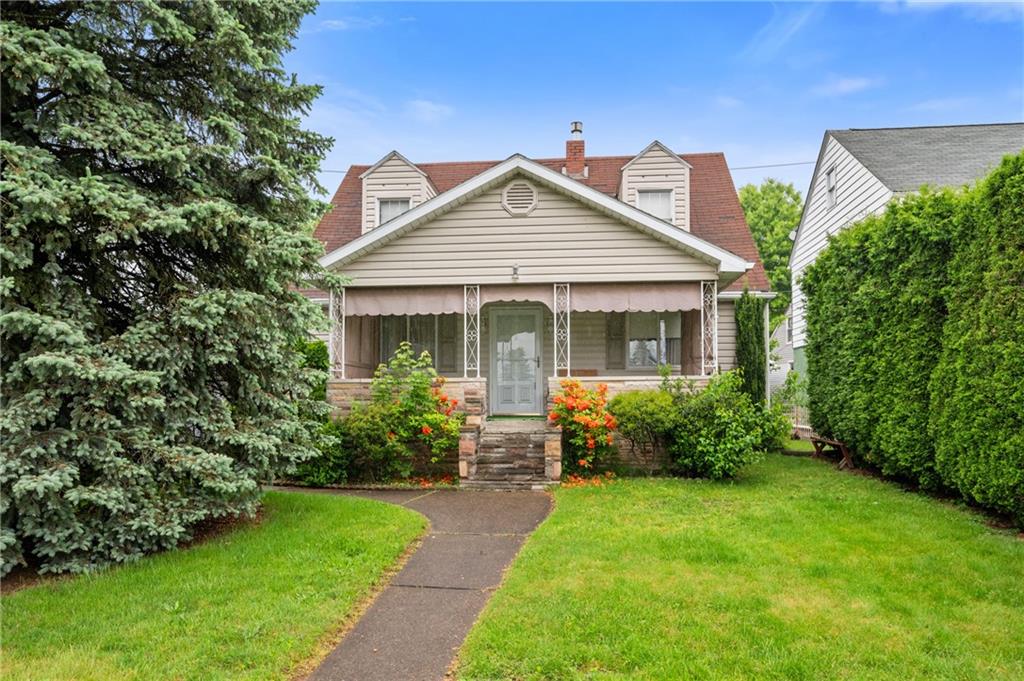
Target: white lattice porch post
(709,327)
(336,346)
(471,331)
(561,327)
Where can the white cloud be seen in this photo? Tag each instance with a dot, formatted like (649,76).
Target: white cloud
(837,86)
(426,111)
(979,10)
(784,25)
(942,104)
(727,102)
(350,24)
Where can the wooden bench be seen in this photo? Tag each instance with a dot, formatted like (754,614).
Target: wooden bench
(821,442)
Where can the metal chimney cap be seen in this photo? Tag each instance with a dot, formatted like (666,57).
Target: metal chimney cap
(576,128)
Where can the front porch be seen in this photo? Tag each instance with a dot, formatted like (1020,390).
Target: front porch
(504,348)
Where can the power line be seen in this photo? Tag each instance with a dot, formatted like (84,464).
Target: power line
(773,165)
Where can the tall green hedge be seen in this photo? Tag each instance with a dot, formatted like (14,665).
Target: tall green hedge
(916,340)
(977,413)
(750,350)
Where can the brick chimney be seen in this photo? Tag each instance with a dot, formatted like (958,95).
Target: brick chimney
(575,161)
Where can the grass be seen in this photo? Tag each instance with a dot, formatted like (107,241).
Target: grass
(794,571)
(801,446)
(250,604)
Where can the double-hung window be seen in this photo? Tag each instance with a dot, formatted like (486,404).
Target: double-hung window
(657,202)
(392,208)
(653,339)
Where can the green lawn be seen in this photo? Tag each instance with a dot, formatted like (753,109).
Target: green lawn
(795,571)
(793,445)
(250,604)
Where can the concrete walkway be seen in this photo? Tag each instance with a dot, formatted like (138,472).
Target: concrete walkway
(414,628)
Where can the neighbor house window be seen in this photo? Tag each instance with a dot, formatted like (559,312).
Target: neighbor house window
(392,208)
(657,202)
(830,186)
(654,338)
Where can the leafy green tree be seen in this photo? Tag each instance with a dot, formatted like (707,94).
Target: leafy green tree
(156,214)
(773,211)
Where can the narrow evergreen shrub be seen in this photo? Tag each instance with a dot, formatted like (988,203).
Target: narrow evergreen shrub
(750,348)
(156,214)
(977,389)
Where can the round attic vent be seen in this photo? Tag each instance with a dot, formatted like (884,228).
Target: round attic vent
(519,197)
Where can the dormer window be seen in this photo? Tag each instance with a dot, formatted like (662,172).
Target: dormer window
(830,186)
(392,208)
(657,202)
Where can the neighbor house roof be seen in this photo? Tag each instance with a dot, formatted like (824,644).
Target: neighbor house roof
(715,212)
(905,159)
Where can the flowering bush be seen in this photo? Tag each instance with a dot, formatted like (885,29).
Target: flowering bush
(423,417)
(409,424)
(586,424)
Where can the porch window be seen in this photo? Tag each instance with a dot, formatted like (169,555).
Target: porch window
(392,208)
(435,334)
(657,202)
(653,338)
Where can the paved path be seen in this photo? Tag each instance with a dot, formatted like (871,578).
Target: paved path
(413,629)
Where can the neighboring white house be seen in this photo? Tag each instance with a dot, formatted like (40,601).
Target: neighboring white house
(781,354)
(515,273)
(859,171)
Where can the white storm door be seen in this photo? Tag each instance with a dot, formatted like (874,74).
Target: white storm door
(515,361)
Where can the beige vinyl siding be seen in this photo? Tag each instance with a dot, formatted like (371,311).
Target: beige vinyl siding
(656,169)
(726,335)
(393,179)
(858,194)
(561,240)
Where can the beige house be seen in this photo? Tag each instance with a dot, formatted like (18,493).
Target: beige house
(516,273)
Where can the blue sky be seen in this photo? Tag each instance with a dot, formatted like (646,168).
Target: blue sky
(759,81)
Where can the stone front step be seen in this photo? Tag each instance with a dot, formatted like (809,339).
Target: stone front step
(509,455)
(505,485)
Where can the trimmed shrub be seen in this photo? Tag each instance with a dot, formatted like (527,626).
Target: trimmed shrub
(750,348)
(586,424)
(715,431)
(645,419)
(977,389)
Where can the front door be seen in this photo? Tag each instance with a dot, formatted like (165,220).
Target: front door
(515,361)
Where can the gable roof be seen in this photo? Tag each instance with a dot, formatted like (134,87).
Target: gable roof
(727,262)
(716,216)
(905,159)
(656,145)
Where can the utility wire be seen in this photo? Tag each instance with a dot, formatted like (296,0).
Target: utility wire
(773,165)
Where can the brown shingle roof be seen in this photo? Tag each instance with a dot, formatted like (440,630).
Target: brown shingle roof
(715,212)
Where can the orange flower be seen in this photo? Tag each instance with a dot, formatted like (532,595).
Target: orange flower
(426,430)
(608,438)
(553,416)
